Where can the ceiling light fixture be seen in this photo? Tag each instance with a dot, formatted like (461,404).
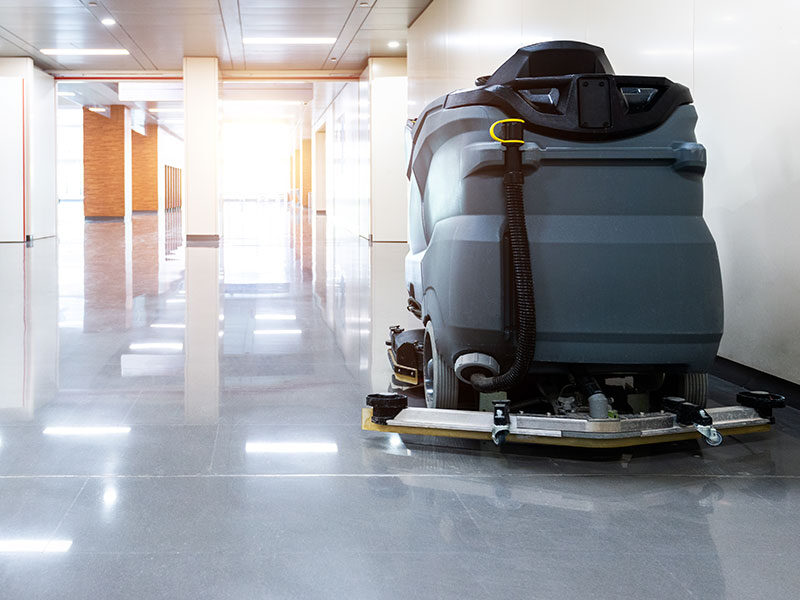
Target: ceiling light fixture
(97,109)
(393,44)
(282,41)
(108,22)
(84,51)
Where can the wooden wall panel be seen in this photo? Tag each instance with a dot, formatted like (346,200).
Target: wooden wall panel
(104,150)
(173,187)
(145,168)
(306,183)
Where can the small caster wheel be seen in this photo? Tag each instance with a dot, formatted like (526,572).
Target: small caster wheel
(714,438)
(499,437)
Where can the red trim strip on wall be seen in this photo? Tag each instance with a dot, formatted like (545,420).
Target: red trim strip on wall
(24,170)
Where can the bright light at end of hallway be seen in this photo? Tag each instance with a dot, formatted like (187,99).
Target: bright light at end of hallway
(393,44)
(291,448)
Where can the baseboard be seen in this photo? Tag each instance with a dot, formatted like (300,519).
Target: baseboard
(202,240)
(753,379)
(105,219)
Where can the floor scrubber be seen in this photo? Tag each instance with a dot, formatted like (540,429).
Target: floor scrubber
(559,261)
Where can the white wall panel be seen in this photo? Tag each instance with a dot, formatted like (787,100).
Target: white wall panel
(42,172)
(735,56)
(201,118)
(388,190)
(12,164)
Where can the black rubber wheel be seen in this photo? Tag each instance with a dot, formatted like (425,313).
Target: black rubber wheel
(440,381)
(692,387)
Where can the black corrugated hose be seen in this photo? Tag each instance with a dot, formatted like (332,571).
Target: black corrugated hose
(523,276)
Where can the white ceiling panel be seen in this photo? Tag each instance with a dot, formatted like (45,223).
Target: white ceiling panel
(159,33)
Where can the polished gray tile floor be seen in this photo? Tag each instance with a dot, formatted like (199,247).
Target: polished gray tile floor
(184,423)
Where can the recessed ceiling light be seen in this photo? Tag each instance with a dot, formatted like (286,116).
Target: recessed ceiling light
(84,51)
(288,40)
(108,22)
(66,94)
(97,108)
(393,44)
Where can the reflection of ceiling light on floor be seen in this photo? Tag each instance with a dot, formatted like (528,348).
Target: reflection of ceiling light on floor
(168,325)
(276,317)
(278,331)
(100,430)
(38,546)
(70,324)
(110,496)
(176,300)
(178,346)
(291,448)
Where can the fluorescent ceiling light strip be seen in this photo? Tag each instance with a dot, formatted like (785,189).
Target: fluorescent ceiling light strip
(156,346)
(97,109)
(288,40)
(84,51)
(86,431)
(291,448)
(278,331)
(35,546)
(275,317)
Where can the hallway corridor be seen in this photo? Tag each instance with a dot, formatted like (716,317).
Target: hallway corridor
(183,423)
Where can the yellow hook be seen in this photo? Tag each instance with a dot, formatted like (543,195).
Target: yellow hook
(494,137)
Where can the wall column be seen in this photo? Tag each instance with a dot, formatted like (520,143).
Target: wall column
(107,166)
(27,146)
(200,98)
(144,149)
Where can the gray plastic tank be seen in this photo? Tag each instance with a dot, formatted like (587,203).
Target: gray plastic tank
(626,272)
